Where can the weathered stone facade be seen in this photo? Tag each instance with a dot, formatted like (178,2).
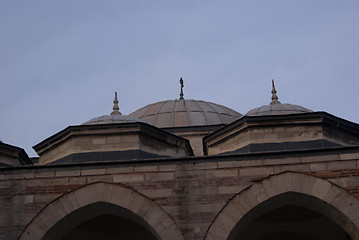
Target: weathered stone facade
(190,198)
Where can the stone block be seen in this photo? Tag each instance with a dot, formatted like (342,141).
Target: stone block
(170,168)
(128,178)
(77,180)
(281,161)
(346,182)
(256,171)
(122,196)
(44,174)
(85,172)
(23,175)
(112,170)
(45,197)
(224,225)
(233,212)
(202,165)
(137,203)
(99,140)
(23,199)
(156,217)
(333,193)
(221,173)
(293,168)
(172,233)
(337,165)
(318,166)
(324,158)
(146,169)
(230,164)
(260,193)
(349,156)
(273,186)
(319,187)
(54,181)
(231,189)
(32,182)
(157,193)
(67,173)
(167,176)
(104,178)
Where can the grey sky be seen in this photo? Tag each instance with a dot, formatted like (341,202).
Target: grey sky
(62,61)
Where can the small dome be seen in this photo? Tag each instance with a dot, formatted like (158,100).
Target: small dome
(114,117)
(108,119)
(276,108)
(185,113)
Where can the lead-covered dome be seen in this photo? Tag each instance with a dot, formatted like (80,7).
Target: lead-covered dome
(114,117)
(186,113)
(277,108)
(108,119)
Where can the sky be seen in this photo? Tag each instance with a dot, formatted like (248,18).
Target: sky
(62,60)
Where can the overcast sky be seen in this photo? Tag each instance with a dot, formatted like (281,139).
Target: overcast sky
(62,60)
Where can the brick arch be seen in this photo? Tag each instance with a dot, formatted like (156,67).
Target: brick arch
(143,207)
(345,205)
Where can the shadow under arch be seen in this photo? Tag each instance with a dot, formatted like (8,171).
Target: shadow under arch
(289,188)
(98,199)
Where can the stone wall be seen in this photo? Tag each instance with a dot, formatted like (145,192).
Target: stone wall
(192,191)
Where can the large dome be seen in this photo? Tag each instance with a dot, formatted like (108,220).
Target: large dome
(276,108)
(185,113)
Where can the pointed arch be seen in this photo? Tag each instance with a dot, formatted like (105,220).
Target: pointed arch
(340,206)
(153,217)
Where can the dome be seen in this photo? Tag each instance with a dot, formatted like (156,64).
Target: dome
(114,117)
(186,113)
(276,108)
(108,119)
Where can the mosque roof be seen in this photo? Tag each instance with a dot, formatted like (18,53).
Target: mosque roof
(185,113)
(114,117)
(277,108)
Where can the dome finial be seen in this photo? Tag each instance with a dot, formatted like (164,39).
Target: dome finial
(115,106)
(181,94)
(274,95)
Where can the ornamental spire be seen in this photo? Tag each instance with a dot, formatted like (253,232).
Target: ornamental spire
(115,106)
(182,86)
(274,95)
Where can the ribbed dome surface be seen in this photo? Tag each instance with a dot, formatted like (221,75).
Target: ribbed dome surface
(278,109)
(118,118)
(184,113)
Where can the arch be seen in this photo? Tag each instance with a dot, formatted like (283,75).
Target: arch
(345,206)
(145,210)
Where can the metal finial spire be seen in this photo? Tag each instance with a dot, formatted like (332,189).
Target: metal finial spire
(115,106)
(274,95)
(182,86)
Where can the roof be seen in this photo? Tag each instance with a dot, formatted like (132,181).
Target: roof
(186,113)
(114,117)
(108,119)
(276,108)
